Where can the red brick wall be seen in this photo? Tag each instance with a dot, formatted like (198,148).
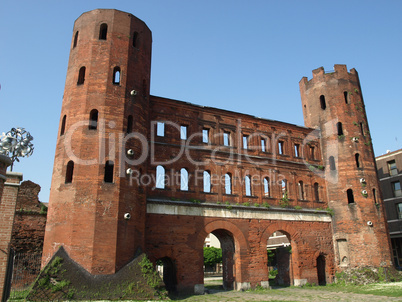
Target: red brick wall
(181,238)
(366,245)
(7,209)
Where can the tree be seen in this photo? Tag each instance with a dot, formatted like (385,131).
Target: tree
(212,255)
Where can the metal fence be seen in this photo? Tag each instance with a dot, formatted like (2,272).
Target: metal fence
(26,267)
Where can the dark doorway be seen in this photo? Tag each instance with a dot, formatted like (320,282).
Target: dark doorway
(167,269)
(321,270)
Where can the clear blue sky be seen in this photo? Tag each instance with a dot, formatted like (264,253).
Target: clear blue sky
(244,56)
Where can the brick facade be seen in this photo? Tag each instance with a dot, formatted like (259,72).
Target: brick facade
(7,210)
(135,171)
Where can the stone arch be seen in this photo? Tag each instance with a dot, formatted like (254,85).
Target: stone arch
(241,246)
(293,236)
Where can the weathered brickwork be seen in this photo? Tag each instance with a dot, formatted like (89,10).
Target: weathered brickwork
(7,210)
(135,171)
(29,221)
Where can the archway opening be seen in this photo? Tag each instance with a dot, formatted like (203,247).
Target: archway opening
(322,279)
(166,268)
(279,253)
(219,260)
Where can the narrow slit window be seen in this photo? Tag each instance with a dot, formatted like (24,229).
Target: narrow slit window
(316,192)
(228,184)
(183,179)
(207,182)
(205,136)
(350,196)
(75,39)
(69,172)
(247,182)
(362,129)
(160,177)
(129,124)
(332,166)
(160,129)
(322,102)
(339,128)
(109,167)
(357,160)
(346,96)
(116,75)
(135,39)
(266,187)
(63,125)
(144,87)
(93,120)
(81,76)
(375,195)
(103,31)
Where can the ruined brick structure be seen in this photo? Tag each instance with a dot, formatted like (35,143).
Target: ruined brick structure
(135,171)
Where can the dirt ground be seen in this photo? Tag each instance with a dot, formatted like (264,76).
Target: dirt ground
(289,294)
(286,294)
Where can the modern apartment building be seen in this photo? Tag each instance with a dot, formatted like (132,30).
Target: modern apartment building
(389,168)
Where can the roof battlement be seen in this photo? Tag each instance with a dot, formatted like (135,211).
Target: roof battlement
(319,75)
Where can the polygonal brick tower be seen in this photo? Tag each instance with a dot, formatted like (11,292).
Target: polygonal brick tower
(333,103)
(95,212)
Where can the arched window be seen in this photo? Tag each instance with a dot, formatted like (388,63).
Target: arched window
(109,167)
(332,166)
(129,124)
(63,125)
(103,31)
(322,102)
(69,172)
(228,184)
(349,193)
(81,76)
(301,190)
(183,179)
(93,120)
(357,159)
(160,177)
(316,192)
(266,187)
(346,96)
(247,182)
(75,39)
(339,128)
(116,75)
(207,182)
(135,39)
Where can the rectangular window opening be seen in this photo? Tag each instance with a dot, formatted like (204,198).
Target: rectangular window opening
(297,150)
(396,188)
(263,145)
(205,136)
(183,132)
(160,129)
(245,142)
(281,146)
(392,168)
(226,139)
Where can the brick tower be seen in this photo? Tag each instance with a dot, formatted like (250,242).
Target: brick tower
(95,212)
(333,103)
